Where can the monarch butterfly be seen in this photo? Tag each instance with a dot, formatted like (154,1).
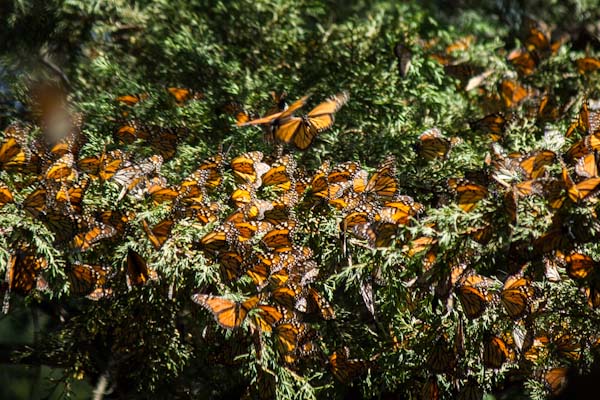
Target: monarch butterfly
(227,313)
(160,194)
(580,191)
(492,124)
(468,194)
(557,380)
(301,131)
(129,131)
(495,352)
(23,273)
(103,166)
(249,168)
(131,176)
(583,121)
(566,346)
(259,273)
(138,272)
(12,155)
(159,233)
(382,184)
(433,145)
(471,290)
(312,301)
(286,296)
(345,370)
(219,239)
(87,280)
(232,265)
(516,296)
(587,166)
(579,266)
(267,317)
(72,196)
(208,173)
(513,93)
(320,186)
(182,95)
(287,335)
(399,211)
(281,173)
(93,233)
(524,61)
(280,238)
(62,169)
(23,269)
(587,64)
(247,230)
(116,219)
(549,109)
(132,99)
(363,214)
(64,226)
(5,195)
(441,359)
(274,120)
(164,140)
(533,165)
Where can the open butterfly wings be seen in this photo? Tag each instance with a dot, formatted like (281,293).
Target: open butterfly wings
(227,313)
(301,131)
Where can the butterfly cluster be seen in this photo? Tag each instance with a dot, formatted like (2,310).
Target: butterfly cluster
(511,193)
(268,288)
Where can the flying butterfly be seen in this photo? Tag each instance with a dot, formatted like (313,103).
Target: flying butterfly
(301,131)
(228,314)
(182,95)
(275,119)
